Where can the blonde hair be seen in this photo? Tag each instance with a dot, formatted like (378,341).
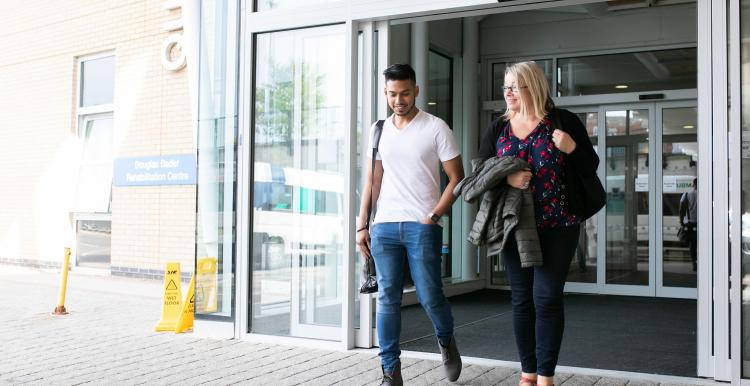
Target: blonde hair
(529,74)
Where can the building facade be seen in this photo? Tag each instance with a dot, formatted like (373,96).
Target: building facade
(90,88)
(252,154)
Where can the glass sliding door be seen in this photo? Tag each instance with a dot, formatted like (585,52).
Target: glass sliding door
(678,174)
(298,214)
(627,186)
(583,268)
(649,166)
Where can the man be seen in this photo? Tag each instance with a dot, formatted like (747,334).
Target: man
(406,187)
(689,220)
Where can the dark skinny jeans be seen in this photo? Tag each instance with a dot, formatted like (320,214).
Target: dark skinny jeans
(537,297)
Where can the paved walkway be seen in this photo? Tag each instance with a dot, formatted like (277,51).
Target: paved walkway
(108,339)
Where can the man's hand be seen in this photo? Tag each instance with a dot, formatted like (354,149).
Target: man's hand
(363,242)
(426,220)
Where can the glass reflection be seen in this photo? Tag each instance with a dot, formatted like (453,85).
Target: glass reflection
(217,166)
(745,182)
(498,76)
(583,267)
(440,104)
(97,81)
(679,195)
(627,207)
(94,243)
(298,183)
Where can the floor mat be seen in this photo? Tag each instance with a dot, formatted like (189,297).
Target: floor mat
(645,335)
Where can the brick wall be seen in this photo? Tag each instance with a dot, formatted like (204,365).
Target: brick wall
(39,151)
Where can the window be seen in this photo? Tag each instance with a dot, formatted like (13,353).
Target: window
(265,5)
(628,72)
(97,81)
(95,133)
(498,75)
(93,243)
(95,168)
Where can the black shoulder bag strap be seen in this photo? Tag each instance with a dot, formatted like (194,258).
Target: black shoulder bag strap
(370,282)
(375,142)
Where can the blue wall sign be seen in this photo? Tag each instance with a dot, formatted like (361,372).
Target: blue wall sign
(162,170)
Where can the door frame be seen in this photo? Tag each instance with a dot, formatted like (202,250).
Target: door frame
(656,258)
(375,56)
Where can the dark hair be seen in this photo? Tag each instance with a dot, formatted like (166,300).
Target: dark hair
(695,181)
(400,72)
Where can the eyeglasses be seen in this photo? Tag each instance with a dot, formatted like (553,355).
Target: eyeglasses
(513,89)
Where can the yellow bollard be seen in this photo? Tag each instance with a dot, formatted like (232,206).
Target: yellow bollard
(60,309)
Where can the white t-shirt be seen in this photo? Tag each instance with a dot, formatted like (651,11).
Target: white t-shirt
(411,159)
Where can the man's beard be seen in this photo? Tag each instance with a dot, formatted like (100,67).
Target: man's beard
(407,112)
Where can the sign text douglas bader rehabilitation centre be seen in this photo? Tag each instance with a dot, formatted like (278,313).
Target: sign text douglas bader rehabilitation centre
(162,170)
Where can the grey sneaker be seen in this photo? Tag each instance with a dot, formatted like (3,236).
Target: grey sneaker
(451,359)
(394,377)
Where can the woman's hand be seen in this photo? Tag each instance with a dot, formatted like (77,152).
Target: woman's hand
(563,141)
(519,179)
(363,242)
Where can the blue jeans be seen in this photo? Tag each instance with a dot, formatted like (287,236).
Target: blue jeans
(537,298)
(390,242)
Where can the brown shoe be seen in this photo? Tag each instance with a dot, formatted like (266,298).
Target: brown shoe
(451,360)
(394,377)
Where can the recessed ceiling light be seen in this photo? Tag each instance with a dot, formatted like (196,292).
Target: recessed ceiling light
(688,127)
(621,86)
(432,103)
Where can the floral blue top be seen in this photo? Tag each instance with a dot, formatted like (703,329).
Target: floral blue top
(546,164)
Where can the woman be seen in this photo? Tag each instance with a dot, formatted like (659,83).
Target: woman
(553,142)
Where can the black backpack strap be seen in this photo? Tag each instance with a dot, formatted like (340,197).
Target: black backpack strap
(375,142)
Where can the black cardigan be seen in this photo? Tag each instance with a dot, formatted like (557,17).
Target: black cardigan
(583,161)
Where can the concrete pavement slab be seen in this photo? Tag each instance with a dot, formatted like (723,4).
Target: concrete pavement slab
(108,339)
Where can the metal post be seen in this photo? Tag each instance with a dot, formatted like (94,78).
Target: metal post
(60,309)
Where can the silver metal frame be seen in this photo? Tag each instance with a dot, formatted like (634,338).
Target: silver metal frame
(735,204)
(350,181)
(244,164)
(720,186)
(705,325)
(364,334)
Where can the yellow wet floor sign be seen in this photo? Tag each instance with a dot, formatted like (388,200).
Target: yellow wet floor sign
(185,322)
(205,285)
(171,308)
